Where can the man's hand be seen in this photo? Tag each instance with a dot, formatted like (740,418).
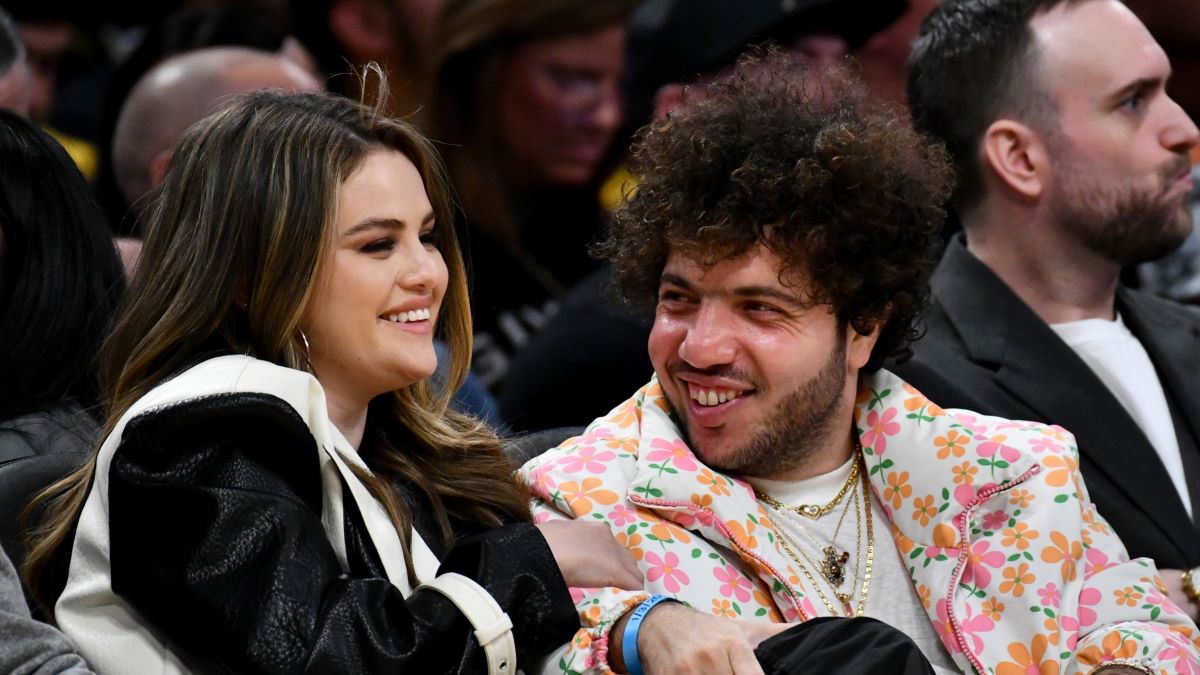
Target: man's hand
(1174,582)
(676,639)
(589,556)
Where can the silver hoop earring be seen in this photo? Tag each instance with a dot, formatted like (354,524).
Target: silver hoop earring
(307,362)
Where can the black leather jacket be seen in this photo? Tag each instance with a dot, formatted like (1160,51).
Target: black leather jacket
(217,540)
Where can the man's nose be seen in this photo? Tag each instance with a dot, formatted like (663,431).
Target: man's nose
(710,340)
(1179,134)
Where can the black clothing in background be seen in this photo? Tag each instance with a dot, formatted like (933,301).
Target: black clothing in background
(589,358)
(842,646)
(986,350)
(515,291)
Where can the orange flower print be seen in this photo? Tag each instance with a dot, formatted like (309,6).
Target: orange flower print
(667,532)
(1020,536)
(633,542)
(742,532)
(580,496)
(1021,498)
(716,484)
(897,488)
(724,608)
(1127,596)
(591,615)
(993,608)
(627,415)
(925,509)
(1063,552)
(1061,467)
(1028,660)
(582,639)
(702,501)
(964,473)
(1111,647)
(924,594)
(953,443)
(1016,579)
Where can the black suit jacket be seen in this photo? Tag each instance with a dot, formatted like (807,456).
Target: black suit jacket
(986,350)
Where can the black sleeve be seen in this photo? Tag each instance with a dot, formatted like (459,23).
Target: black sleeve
(216,539)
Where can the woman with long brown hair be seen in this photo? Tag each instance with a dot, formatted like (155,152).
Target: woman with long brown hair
(280,489)
(526,97)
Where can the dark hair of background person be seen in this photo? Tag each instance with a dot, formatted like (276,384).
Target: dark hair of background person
(60,276)
(473,38)
(845,193)
(973,62)
(233,271)
(185,30)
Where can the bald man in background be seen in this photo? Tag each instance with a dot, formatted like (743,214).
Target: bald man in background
(174,95)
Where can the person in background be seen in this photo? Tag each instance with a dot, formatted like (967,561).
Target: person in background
(527,100)
(1072,164)
(14,70)
(60,281)
(278,487)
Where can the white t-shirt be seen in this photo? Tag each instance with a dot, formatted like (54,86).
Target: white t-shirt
(1121,362)
(891,597)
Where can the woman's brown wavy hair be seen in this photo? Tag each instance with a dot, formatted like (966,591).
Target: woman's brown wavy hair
(238,236)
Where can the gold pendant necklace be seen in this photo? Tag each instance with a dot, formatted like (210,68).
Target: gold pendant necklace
(833,561)
(815,511)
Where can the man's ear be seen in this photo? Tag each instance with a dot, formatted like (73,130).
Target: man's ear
(363,29)
(158,168)
(860,345)
(1016,156)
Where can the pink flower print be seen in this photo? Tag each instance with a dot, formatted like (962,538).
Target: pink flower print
(541,517)
(1044,444)
(979,561)
(1095,561)
(941,626)
(733,583)
(1185,664)
(667,569)
(576,594)
(991,445)
(1070,627)
(879,427)
(970,422)
(970,625)
(807,607)
(676,452)
(995,520)
(586,458)
(622,515)
(1050,595)
(1088,596)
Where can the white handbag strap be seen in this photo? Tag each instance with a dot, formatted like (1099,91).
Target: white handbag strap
(493,628)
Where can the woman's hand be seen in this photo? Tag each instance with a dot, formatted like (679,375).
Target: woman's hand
(589,556)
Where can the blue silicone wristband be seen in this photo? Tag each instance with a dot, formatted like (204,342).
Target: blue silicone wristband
(629,650)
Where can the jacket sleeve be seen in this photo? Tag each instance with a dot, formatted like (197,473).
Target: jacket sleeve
(26,644)
(217,539)
(598,608)
(1128,616)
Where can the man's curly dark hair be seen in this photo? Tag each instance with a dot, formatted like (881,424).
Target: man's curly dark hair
(847,195)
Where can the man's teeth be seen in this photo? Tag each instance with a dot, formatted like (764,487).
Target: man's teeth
(405,317)
(708,397)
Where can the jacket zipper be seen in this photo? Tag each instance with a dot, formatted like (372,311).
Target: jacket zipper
(980,498)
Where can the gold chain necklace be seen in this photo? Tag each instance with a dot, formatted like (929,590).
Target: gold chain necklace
(833,564)
(815,511)
(790,548)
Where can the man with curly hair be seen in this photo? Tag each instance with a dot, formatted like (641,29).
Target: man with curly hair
(771,473)
(1072,163)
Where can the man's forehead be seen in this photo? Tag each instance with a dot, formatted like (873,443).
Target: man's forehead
(758,267)
(1095,47)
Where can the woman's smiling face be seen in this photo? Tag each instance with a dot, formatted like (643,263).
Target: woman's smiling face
(370,323)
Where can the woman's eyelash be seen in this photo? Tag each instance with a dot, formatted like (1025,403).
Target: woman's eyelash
(379,245)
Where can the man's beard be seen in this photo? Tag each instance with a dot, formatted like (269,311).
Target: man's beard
(792,433)
(1126,225)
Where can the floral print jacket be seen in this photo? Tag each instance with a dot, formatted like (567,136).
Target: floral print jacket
(1016,570)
